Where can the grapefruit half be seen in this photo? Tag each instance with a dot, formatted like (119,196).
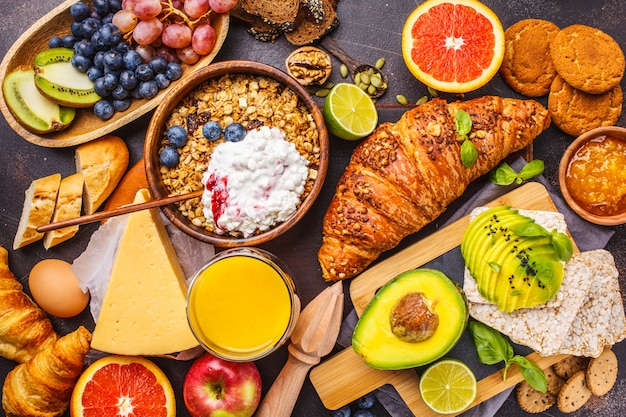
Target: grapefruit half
(453,46)
(129,386)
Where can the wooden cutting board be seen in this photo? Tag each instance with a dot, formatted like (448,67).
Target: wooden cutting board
(345,377)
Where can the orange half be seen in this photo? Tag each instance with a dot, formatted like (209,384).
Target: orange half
(453,46)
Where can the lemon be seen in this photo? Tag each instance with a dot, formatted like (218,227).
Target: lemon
(448,386)
(349,112)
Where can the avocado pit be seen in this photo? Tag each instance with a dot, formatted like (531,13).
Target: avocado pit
(413,318)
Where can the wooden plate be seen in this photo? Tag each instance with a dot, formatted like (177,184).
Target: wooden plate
(345,377)
(86,126)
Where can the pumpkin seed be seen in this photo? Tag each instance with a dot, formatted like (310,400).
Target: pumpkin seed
(376,80)
(402,99)
(422,100)
(380,63)
(371,90)
(433,92)
(322,92)
(357,78)
(363,86)
(365,78)
(344,71)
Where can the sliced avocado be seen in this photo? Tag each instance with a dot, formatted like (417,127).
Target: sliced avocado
(374,338)
(34,111)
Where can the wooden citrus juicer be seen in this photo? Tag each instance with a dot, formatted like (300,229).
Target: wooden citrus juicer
(314,336)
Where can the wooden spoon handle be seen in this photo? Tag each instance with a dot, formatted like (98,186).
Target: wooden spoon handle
(334,48)
(90,218)
(283,394)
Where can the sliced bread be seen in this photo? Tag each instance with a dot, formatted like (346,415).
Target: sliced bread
(255,25)
(309,30)
(68,206)
(39,202)
(281,14)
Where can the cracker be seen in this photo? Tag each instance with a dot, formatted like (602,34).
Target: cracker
(574,393)
(555,382)
(575,112)
(533,401)
(602,373)
(567,367)
(587,58)
(527,66)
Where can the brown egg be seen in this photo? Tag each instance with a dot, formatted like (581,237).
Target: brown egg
(54,287)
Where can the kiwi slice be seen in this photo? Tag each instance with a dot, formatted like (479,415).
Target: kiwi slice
(56,78)
(32,110)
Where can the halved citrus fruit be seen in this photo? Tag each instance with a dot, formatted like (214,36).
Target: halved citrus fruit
(349,112)
(129,386)
(448,386)
(453,46)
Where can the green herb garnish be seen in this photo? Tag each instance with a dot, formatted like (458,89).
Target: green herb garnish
(561,242)
(493,348)
(469,154)
(505,175)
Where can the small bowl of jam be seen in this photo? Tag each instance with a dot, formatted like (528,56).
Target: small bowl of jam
(592,175)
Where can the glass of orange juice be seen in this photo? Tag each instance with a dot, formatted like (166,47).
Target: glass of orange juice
(242,305)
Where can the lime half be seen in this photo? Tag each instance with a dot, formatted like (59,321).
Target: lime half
(448,386)
(349,112)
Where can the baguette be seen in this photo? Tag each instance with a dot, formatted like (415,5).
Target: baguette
(68,206)
(404,175)
(39,202)
(103,163)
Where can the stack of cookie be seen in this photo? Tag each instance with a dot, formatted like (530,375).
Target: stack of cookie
(579,67)
(571,383)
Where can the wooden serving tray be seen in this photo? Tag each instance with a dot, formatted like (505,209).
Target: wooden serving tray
(345,377)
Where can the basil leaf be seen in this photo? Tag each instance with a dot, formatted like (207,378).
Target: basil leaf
(563,245)
(494,266)
(530,230)
(491,346)
(531,169)
(469,154)
(533,374)
(463,123)
(503,175)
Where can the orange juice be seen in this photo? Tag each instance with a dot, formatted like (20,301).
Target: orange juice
(241,305)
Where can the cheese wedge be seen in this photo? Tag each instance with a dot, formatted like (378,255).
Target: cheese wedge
(143,311)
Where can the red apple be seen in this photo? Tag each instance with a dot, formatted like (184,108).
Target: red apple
(217,387)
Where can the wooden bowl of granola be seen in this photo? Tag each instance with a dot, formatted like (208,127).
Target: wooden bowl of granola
(592,176)
(250,139)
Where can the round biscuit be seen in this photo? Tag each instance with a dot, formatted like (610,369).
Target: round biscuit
(576,112)
(587,58)
(568,366)
(602,373)
(531,400)
(527,66)
(574,393)
(555,382)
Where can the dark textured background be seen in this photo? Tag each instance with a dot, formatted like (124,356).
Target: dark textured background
(369,30)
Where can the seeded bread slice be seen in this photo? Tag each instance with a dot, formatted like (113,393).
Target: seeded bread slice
(255,25)
(281,14)
(309,31)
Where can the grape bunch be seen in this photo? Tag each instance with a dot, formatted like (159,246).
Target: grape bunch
(179,29)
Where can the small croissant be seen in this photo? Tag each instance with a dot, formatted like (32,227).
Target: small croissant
(42,387)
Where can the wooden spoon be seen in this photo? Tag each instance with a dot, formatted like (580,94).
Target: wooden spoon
(314,336)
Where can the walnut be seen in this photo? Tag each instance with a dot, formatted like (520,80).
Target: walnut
(413,319)
(309,65)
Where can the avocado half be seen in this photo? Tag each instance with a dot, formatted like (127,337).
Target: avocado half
(375,340)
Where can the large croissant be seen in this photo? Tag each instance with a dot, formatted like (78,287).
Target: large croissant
(405,174)
(42,387)
(24,327)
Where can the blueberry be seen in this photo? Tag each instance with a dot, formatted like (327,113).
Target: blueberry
(55,42)
(212,130)
(116,73)
(113,59)
(132,60)
(234,132)
(343,412)
(81,63)
(98,87)
(111,35)
(144,72)
(84,48)
(98,60)
(158,64)
(115,5)
(110,81)
(80,11)
(103,110)
(162,81)
(93,73)
(148,89)
(68,41)
(122,47)
(121,105)
(101,7)
(77,29)
(174,71)
(134,93)
(120,93)
(177,136)
(98,41)
(128,80)
(363,413)
(108,18)
(367,401)
(89,26)
(169,157)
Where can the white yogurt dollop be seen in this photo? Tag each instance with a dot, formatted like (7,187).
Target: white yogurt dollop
(253,184)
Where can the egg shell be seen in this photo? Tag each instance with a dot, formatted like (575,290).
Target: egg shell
(54,287)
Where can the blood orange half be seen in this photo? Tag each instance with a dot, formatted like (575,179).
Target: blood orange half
(128,386)
(453,46)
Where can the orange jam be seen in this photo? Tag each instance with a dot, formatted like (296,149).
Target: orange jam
(596,176)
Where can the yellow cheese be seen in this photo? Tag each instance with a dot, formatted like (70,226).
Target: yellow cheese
(143,312)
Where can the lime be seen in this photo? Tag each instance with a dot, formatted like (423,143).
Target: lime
(448,386)
(349,112)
